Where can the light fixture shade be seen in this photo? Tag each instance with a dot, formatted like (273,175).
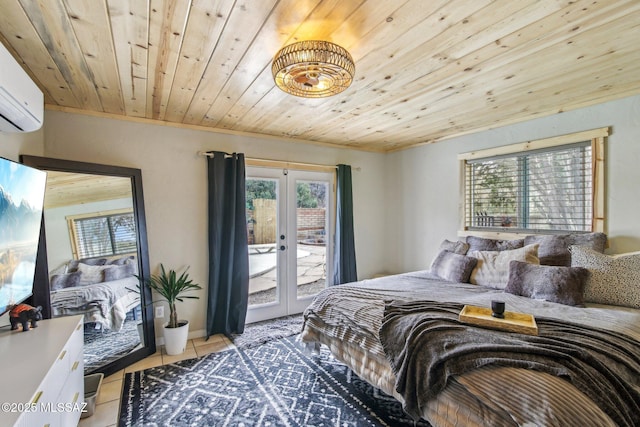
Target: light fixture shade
(313,69)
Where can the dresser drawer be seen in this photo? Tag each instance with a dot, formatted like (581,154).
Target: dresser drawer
(72,395)
(75,344)
(52,356)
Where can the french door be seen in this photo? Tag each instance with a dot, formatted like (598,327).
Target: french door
(289,223)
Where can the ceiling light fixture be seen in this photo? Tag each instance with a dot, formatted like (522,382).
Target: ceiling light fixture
(313,69)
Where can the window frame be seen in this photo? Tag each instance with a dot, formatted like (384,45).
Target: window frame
(597,138)
(73,237)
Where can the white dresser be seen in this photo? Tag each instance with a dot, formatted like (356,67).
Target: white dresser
(42,369)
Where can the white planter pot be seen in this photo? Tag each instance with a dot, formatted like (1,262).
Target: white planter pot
(175,339)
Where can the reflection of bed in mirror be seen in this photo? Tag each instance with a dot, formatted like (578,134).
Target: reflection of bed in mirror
(103,290)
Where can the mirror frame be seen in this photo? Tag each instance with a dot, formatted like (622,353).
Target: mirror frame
(41,291)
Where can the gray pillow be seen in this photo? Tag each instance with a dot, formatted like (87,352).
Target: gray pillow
(554,249)
(67,280)
(457,247)
(73,264)
(564,285)
(117,272)
(484,244)
(121,261)
(453,267)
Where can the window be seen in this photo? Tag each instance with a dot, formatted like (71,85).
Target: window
(547,185)
(102,234)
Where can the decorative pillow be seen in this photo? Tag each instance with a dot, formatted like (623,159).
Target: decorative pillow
(615,279)
(595,241)
(117,272)
(554,249)
(564,285)
(121,261)
(492,269)
(458,247)
(73,264)
(483,244)
(453,267)
(66,280)
(91,273)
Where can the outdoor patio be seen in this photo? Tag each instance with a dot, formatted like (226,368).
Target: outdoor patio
(311,266)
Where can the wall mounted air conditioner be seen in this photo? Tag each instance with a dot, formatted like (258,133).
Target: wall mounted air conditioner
(21,101)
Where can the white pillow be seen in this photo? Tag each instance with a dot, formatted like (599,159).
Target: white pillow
(91,273)
(615,279)
(492,269)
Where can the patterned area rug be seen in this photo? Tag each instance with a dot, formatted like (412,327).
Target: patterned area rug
(275,384)
(262,332)
(102,347)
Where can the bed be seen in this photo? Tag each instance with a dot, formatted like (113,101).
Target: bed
(402,334)
(103,290)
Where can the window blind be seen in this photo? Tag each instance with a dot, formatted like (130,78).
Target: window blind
(546,190)
(105,235)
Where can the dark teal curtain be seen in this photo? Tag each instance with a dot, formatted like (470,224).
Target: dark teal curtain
(228,245)
(344,254)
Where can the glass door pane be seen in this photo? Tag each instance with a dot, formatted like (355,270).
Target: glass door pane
(311,236)
(310,211)
(261,229)
(266,260)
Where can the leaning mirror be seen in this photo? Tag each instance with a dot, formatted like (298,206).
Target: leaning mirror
(92,247)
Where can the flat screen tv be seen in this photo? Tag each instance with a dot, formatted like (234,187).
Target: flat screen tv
(21,202)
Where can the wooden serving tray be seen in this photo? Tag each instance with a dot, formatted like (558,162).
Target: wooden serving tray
(513,322)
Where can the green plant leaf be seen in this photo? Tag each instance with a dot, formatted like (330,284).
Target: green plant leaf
(171,288)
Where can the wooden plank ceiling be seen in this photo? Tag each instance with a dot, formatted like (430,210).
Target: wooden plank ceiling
(425,70)
(69,189)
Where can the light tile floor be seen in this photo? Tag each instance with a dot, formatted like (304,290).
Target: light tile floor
(108,401)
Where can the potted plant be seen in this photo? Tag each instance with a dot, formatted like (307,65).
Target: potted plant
(172,288)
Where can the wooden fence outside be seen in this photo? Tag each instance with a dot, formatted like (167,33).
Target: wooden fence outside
(262,222)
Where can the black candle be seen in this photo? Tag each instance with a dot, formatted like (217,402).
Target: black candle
(497,308)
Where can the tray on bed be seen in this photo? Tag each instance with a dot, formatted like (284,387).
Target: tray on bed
(513,322)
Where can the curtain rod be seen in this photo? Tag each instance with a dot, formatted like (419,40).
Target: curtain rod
(283,162)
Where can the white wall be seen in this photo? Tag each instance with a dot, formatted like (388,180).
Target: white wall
(426,210)
(14,144)
(175,185)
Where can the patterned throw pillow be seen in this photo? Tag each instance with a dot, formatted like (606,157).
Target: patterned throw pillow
(615,279)
(492,269)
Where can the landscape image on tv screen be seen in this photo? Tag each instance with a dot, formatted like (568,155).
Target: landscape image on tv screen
(21,200)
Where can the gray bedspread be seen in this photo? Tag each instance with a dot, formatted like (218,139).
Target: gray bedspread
(348,319)
(426,344)
(105,303)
